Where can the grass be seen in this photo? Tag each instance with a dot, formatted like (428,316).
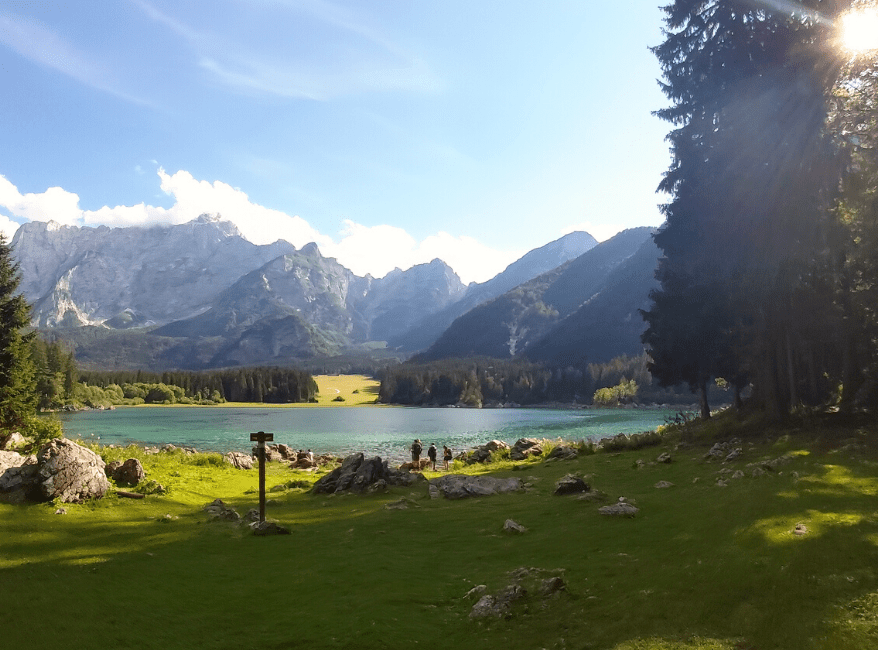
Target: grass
(354,390)
(699,568)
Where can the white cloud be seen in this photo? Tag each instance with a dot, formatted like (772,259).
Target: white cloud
(375,250)
(379,249)
(600,231)
(55,203)
(7,227)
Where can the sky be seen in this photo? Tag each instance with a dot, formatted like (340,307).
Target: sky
(390,133)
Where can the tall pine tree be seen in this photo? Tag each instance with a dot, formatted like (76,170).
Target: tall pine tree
(18,395)
(750,182)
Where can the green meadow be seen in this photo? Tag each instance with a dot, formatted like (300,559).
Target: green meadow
(700,566)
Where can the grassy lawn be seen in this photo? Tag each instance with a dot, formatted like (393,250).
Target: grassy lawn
(354,390)
(699,567)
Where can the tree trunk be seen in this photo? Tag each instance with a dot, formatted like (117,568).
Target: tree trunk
(705,407)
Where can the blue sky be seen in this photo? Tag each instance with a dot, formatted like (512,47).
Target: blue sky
(388,132)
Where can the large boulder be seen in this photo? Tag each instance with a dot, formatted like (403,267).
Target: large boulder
(130,472)
(460,486)
(70,473)
(18,478)
(358,473)
(525,447)
(239,460)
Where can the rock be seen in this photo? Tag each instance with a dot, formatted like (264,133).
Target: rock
(239,460)
(663,484)
(476,592)
(721,483)
(639,464)
(551,586)
(70,473)
(61,511)
(562,452)
(525,447)
(757,472)
(13,441)
(738,474)
(498,606)
(479,455)
(217,510)
(510,526)
(800,529)
(401,504)
(664,457)
(734,454)
(252,516)
(265,528)
(571,484)
(130,472)
(357,474)
(622,508)
(459,486)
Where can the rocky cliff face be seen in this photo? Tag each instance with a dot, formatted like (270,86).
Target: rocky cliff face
(123,277)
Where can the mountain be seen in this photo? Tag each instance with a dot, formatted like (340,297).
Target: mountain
(507,325)
(127,277)
(302,305)
(538,261)
(609,323)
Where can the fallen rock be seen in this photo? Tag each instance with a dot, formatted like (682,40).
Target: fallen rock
(70,473)
(525,447)
(664,457)
(265,528)
(571,484)
(217,510)
(130,472)
(511,526)
(622,508)
(239,460)
(551,586)
(562,452)
(499,605)
(357,473)
(401,504)
(663,484)
(459,486)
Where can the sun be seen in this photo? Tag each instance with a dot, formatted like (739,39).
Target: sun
(859,30)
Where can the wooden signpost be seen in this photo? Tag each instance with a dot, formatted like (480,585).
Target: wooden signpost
(261,438)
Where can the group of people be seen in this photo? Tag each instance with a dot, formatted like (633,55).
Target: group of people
(417,448)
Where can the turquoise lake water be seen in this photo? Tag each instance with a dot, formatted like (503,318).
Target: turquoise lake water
(382,431)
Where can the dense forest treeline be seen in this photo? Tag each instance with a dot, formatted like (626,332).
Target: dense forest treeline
(59,383)
(769,267)
(495,382)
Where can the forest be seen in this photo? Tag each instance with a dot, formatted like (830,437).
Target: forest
(769,265)
(495,382)
(59,383)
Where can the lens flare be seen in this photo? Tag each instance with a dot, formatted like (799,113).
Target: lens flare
(859,30)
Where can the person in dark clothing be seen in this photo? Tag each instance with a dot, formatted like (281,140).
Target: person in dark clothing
(431,454)
(446,456)
(416,454)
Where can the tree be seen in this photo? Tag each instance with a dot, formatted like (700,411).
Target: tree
(751,181)
(18,395)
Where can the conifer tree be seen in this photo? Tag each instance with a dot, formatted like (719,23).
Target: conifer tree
(18,396)
(750,183)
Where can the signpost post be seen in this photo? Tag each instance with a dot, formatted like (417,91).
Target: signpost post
(260,438)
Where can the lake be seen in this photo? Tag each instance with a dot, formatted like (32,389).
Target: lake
(382,431)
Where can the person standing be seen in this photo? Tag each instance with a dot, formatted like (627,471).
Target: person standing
(446,456)
(431,454)
(416,454)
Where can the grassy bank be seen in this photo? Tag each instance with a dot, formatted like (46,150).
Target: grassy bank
(700,566)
